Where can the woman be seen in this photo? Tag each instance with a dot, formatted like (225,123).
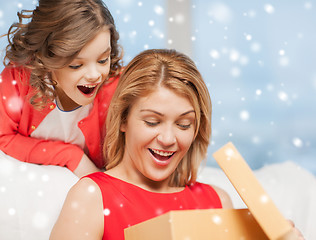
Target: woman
(158,131)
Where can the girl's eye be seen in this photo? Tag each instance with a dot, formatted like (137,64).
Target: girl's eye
(75,66)
(103,61)
(151,123)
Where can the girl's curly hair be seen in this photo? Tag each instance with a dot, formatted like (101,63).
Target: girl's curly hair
(51,36)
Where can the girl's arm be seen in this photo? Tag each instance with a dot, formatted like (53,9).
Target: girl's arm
(82,214)
(85,167)
(17,117)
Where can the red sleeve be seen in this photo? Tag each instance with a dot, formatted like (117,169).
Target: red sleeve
(16,117)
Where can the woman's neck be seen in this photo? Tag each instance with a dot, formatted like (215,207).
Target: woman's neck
(141,181)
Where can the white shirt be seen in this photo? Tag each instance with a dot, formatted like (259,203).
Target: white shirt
(63,126)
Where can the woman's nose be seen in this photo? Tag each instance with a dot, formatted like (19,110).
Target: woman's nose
(166,137)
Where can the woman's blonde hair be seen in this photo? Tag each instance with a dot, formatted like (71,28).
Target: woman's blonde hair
(53,34)
(147,71)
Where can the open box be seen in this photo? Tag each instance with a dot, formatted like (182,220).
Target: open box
(217,224)
(262,220)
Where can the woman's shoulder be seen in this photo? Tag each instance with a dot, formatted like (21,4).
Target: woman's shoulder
(85,191)
(224,197)
(221,193)
(83,202)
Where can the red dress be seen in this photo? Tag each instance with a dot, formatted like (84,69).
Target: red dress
(125,204)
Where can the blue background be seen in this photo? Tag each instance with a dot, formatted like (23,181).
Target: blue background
(257,57)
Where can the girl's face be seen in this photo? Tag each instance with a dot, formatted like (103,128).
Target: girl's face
(79,82)
(158,133)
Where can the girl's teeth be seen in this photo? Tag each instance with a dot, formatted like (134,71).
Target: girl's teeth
(86,89)
(89,86)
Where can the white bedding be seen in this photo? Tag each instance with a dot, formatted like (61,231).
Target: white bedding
(31,196)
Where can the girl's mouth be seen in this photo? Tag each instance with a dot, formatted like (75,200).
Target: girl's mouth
(87,89)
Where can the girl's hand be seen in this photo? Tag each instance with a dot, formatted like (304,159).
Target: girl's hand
(85,167)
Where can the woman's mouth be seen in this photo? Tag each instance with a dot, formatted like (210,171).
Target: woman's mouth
(86,89)
(161,157)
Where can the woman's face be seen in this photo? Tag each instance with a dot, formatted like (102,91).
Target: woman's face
(158,133)
(79,82)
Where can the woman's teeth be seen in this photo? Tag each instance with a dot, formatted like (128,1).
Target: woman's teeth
(161,157)
(162,153)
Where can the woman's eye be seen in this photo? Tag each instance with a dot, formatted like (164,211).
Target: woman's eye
(184,126)
(75,66)
(151,123)
(103,61)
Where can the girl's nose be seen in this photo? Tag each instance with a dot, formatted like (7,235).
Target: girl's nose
(92,73)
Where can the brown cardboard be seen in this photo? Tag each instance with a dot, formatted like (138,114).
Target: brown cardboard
(262,219)
(217,224)
(253,194)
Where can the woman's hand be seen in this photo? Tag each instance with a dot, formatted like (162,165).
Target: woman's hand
(295,232)
(85,167)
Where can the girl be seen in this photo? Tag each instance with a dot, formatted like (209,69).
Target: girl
(61,71)
(158,130)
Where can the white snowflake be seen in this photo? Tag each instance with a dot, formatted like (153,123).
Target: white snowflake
(106,212)
(255,47)
(244,115)
(158,10)
(217,219)
(220,12)
(258,92)
(214,54)
(297,142)
(151,23)
(283,96)
(269,8)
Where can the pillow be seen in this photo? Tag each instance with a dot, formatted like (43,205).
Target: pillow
(31,197)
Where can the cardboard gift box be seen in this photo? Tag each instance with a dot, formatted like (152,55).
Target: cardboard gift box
(217,224)
(262,219)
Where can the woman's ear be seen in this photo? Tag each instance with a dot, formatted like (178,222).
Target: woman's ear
(123,127)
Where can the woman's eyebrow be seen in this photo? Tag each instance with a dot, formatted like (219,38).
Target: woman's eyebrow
(185,113)
(160,114)
(150,110)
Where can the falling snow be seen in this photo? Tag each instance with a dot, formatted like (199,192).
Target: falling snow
(269,8)
(217,219)
(264,199)
(297,142)
(244,115)
(257,60)
(106,212)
